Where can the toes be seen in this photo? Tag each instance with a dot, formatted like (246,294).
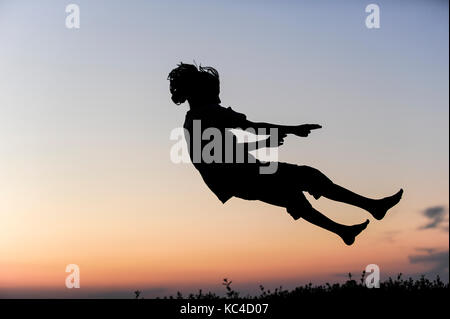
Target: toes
(366,223)
(399,194)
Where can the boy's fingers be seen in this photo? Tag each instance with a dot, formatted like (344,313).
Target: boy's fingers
(313,126)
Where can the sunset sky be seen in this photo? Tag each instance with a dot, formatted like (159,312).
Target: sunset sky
(85,118)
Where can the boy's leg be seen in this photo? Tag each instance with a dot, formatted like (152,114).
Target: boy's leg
(310,214)
(317,184)
(347,233)
(377,207)
(298,206)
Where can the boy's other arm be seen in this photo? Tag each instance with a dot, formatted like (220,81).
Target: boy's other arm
(300,130)
(264,142)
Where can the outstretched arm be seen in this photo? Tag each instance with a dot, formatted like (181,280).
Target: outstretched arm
(299,130)
(265,142)
(239,120)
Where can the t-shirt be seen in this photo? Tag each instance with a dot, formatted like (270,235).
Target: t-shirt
(213,148)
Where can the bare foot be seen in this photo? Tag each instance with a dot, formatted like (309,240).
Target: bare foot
(350,232)
(384,204)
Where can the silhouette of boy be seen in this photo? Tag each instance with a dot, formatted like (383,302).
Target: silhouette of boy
(200,86)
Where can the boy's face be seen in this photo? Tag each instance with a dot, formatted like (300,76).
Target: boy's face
(179,92)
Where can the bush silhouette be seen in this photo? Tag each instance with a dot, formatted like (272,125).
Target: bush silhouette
(390,287)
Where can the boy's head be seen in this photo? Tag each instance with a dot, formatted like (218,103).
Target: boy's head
(187,82)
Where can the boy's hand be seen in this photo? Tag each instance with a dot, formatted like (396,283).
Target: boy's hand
(281,137)
(305,129)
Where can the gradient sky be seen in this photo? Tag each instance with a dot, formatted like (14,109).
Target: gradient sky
(85,118)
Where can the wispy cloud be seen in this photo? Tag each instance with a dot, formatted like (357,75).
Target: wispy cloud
(426,250)
(437,218)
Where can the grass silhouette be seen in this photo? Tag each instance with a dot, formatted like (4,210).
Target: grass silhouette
(391,288)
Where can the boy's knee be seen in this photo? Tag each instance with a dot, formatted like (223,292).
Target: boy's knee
(298,208)
(315,174)
(294,212)
(318,181)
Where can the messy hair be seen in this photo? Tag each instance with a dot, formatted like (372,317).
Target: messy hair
(188,80)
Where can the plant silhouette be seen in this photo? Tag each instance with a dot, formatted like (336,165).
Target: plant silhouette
(200,87)
(392,287)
